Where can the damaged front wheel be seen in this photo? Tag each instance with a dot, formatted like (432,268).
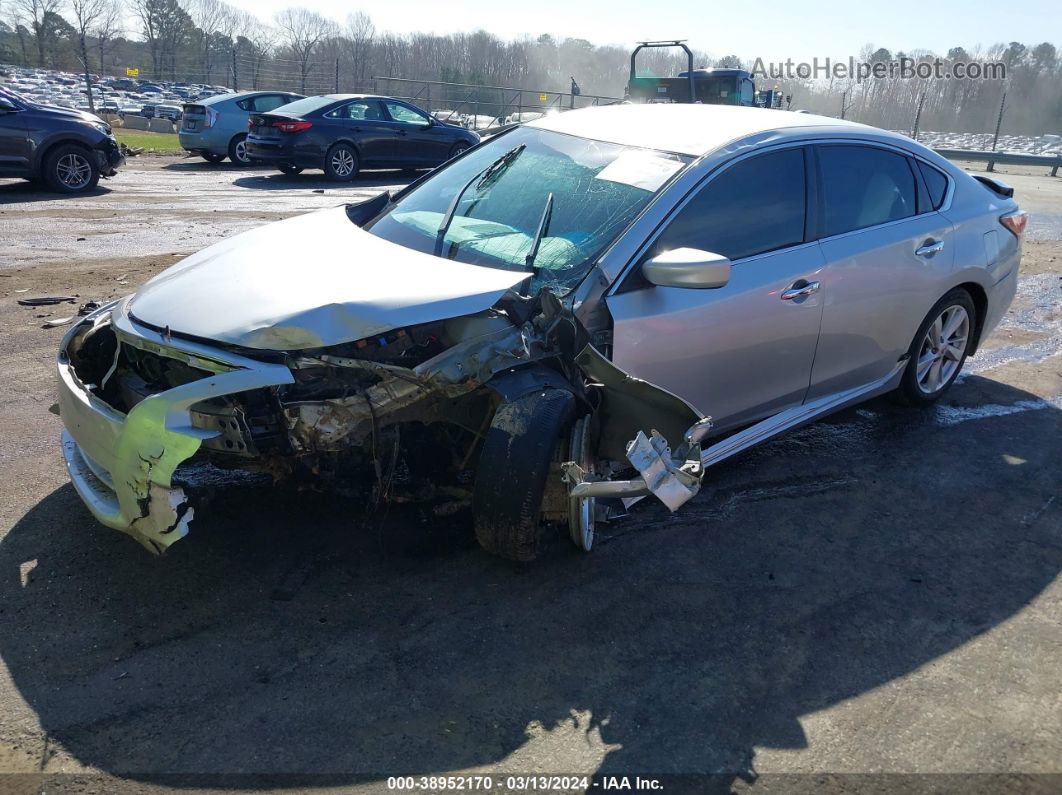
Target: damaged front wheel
(515,462)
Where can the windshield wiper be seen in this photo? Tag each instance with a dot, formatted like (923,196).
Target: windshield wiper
(536,241)
(490,171)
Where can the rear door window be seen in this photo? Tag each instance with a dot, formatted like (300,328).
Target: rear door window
(864,186)
(359,110)
(755,206)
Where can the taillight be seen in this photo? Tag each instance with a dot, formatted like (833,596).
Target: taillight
(211,117)
(1015,222)
(292,126)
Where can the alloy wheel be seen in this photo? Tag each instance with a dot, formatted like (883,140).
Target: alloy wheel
(74,171)
(942,349)
(342,162)
(241,152)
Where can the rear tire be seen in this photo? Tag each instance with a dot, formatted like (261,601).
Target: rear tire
(290,169)
(939,349)
(71,169)
(341,163)
(512,471)
(458,150)
(238,150)
(210,157)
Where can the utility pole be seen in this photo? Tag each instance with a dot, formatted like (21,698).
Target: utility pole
(918,115)
(337,76)
(844,96)
(999,123)
(235,77)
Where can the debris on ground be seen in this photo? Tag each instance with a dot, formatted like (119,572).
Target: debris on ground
(58,321)
(87,307)
(47,300)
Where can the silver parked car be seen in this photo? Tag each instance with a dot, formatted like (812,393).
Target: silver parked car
(216,127)
(594,306)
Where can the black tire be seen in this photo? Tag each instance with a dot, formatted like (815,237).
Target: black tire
(290,169)
(459,149)
(238,150)
(210,157)
(512,471)
(71,169)
(910,392)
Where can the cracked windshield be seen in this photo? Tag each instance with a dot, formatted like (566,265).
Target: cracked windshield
(535,201)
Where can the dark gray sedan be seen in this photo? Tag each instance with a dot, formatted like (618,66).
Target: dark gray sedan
(343,133)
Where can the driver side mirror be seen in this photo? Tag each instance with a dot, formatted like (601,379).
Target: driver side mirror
(6,106)
(687,267)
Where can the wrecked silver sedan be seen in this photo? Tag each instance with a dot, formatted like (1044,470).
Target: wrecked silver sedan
(540,329)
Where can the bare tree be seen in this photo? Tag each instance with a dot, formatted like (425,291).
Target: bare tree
(207,16)
(261,40)
(35,13)
(86,14)
(301,31)
(360,32)
(108,26)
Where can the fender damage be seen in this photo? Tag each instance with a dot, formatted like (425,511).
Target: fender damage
(397,417)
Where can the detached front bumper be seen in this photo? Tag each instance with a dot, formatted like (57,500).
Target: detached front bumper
(120,464)
(109,157)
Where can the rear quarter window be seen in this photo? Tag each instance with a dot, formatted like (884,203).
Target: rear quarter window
(936,184)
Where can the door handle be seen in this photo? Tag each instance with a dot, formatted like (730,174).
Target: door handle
(800,292)
(401,132)
(929,248)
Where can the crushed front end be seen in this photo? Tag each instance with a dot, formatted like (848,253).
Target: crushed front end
(398,417)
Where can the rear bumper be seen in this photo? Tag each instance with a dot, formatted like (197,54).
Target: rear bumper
(198,142)
(1001,293)
(282,153)
(121,465)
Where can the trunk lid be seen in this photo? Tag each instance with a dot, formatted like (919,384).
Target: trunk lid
(261,125)
(194,119)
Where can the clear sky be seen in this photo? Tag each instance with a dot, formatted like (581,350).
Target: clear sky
(772,29)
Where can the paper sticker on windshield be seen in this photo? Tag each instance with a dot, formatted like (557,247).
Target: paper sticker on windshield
(640,169)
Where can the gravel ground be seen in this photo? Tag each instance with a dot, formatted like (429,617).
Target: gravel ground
(877,593)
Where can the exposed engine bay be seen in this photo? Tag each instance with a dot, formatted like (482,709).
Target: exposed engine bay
(403,416)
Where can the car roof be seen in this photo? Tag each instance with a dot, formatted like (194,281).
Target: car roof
(338,97)
(681,128)
(234,95)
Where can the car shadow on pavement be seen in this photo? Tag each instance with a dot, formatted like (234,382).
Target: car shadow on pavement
(810,571)
(317,180)
(23,191)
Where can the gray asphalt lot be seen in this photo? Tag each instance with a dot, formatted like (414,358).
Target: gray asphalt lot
(877,593)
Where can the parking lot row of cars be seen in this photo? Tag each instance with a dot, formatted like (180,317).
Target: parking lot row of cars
(69,149)
(120,96)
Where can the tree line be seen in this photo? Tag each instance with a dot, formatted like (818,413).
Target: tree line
(212,42)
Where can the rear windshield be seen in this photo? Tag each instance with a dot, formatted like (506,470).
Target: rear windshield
(301,107)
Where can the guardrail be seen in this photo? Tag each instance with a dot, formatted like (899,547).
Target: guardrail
(1052,162)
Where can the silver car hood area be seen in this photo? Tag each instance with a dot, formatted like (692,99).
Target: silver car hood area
(312,281)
